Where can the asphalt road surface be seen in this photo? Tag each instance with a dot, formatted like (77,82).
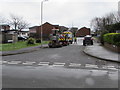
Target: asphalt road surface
(58,77)
(67,54)
(66,67)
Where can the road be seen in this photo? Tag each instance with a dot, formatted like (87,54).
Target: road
(66,67)
(68,54)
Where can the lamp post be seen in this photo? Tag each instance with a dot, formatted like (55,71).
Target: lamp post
(42,20)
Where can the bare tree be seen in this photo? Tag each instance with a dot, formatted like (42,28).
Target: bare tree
(117,17)
(14,21)
(96,23)
(111,19)
(22,25)
(99,24)
(74,30)
(17,22)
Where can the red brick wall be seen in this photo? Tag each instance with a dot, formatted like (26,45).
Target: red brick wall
(46,29)
(112,47)
(83,32)
(33,32)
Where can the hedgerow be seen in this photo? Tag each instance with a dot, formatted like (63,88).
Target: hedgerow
(112,38)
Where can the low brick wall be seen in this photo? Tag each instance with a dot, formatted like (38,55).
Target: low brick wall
(112,47)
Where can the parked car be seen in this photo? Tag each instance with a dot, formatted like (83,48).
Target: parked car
(88,40)
(22,38)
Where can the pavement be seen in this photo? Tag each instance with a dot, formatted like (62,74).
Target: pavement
(101,52)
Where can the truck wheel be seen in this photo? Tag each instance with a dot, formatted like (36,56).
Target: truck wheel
(50,46)
(68,43)
(71,42)
(91,42)
(84,43)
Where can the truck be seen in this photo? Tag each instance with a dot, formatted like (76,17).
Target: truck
(58,39)
(54,39)
(69,36)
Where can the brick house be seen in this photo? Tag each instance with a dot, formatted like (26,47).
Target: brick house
(4,27)
(83,32)
(63,28)
(35,31)
(7,35)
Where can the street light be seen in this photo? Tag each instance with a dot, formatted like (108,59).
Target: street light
(42,19)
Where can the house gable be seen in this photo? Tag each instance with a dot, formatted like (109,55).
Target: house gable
(83,32)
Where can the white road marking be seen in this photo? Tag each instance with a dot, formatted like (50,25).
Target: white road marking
(91,66)
(43,63)
(113,68)
(58,64)
(4,62)
(110,67)
(74,65)
(28,63)
(14,62)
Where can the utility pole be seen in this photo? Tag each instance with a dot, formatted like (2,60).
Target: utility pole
(42,21)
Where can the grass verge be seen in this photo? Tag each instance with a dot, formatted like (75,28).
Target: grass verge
(18,45)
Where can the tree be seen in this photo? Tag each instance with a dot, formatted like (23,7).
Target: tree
(105,23)
(17,22)
(74,30)
(22,25)
(96,24)
(113,27)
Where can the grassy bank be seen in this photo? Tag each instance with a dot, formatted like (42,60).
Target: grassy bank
(18,45)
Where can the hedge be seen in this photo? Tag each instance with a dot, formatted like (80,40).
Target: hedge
(102,35)
(112,38)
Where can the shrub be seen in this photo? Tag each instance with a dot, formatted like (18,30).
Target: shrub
(109,38)
(31,41)
(101,38)
(38,41)
(112,38)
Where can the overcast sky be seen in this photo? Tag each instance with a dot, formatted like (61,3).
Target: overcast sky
(77,13)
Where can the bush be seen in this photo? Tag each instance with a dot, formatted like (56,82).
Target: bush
(101,38)
(109,38)
(31,41)
(38,41)
(112,38)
